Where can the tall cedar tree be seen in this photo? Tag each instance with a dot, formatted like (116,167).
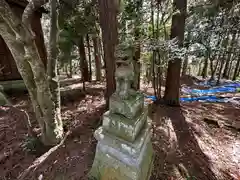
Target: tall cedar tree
(171,96)
(97,57)
(83,60)
(108,21)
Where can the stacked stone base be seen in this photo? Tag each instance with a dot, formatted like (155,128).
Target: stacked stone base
(117,159)
(124,150)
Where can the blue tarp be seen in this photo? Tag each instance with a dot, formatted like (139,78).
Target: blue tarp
(203,99)
(213,90)
(153,98)
(207,95)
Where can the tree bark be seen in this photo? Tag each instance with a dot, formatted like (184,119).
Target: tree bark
(205,68)
(83,61)
(171,96)
(89,58)
(230,68)
(108,22)
(236,70)
(137,66)
(220,71)
(212,70)
(52,64)
(137,35)
(20,40)
(70,68)
(226,68)
(185,66)
(153,60)
(97,58)
(199,68)
(185,62)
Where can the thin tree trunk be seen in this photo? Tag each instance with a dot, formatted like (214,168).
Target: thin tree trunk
(236,70)
(157,55)
(153,79)
(199,68)
(52,65)
(137,65)
(205,68)
(137,55)
(83,61)
(212,70)
(230,68)
(226,68)
(70,68)
(108,22)
(220,70)
(65,68)
(97,58)
(185,62)
(89,58)
(171,96)
(185,65)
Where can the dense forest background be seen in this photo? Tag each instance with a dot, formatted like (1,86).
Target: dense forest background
(168,42)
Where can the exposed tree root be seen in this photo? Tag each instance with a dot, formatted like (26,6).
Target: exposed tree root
(40,161)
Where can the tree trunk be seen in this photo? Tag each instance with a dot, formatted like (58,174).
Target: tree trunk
(83,61)
(171,96)
(65,68)
(52,64)
(236,70)
(230,68)
(212,69)
(199,68)
(220,71)
(153,77)
(108,22)
(21,43)
(205,68)
(70,68)
(97,58)
(157,60)
(137,36)
(226,68)
(89,58)
(185,66)
(185,62)
(137,67)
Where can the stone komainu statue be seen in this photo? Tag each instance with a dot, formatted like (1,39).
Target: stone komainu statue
(124,76)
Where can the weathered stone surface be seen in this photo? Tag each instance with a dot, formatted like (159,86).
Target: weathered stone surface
(122,145)
(123,162)
(128,107)
(123,127)
(124,150)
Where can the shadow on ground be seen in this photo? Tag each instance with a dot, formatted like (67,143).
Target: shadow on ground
(179,155)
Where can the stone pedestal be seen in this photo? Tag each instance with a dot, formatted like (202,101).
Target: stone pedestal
(124,150)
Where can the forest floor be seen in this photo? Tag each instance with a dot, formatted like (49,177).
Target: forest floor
(191,142)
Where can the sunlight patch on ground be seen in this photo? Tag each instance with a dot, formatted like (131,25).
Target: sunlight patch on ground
(166,132)
(226,151)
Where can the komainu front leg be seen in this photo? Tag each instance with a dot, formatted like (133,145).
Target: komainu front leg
(125,89)
(118,86)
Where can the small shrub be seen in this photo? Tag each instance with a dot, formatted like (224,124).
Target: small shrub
(33,145)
